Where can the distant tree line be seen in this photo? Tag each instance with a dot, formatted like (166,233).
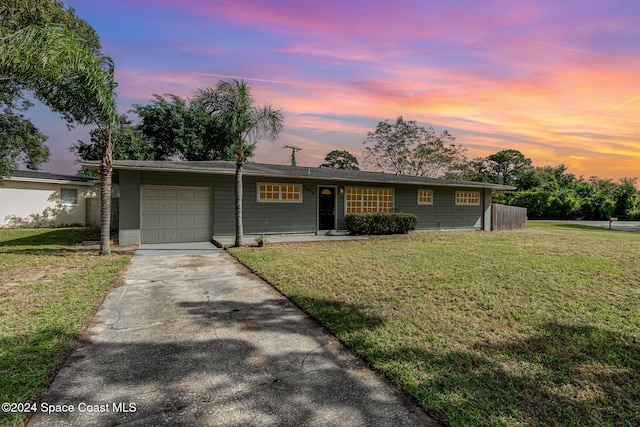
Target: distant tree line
(551,192)
(404,147)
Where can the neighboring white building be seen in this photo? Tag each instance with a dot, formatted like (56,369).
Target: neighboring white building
(40,199)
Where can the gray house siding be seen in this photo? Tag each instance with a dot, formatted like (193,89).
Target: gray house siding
(224,201)
(295,217)
(278,217)
(443,213)
(129,182)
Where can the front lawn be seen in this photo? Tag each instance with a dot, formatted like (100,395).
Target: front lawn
(49,288)
(532,327)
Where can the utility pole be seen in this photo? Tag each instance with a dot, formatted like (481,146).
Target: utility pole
(293,153)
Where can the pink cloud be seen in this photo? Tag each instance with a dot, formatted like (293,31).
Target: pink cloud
(557,80)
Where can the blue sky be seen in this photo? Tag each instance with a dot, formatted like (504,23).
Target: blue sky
(558,81)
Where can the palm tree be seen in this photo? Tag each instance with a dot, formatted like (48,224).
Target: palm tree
(231,103)
(71,79)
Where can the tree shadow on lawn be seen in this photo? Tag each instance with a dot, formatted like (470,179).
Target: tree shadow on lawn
(594,228)
(576,375)
(232,363)
(58,236)
(27,362)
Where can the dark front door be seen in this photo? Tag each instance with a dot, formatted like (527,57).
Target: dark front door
(327,207)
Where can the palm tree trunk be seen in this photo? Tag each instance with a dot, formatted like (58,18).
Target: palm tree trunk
(239,232)
(106,171)
(239,164)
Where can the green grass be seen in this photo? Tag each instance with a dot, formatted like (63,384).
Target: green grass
(49,288)
(532,327)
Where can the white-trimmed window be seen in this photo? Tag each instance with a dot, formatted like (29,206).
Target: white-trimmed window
(68,196)
(425,196)
(273,192)
(363,200)
(468,198)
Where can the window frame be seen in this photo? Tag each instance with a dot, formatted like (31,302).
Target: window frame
(465,198)
(366,200)
(75,197)
(280,193)
(430,192)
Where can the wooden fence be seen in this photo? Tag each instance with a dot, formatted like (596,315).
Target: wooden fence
(93,212)
(505,217)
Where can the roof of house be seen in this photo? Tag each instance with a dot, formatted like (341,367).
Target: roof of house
(45,177)
(283,171)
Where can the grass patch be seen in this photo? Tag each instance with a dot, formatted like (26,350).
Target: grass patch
(49,288)
(533,327)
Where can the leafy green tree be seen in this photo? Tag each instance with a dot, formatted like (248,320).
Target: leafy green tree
(340,159)
(72,79)
(552,192)
(20,139)
(542,176)
(627,199)
(128,143)
(473,170)
(175,128)
(507,165)
(405,148)
(231,104)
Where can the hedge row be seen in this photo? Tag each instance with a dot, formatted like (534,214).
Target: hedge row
(381,223)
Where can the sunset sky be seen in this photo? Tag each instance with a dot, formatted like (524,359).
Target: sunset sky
(557,80)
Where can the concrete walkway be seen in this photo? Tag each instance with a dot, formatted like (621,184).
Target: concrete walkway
(197,340)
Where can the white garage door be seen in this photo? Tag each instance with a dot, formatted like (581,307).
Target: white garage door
(175,214)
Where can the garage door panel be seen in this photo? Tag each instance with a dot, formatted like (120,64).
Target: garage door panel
(169,221)
(188,207)
(203,194)
(150,207)
(175,214)
(193,221)
(169,207)
(150,222)
(150,192)
(169,192)
(188,193)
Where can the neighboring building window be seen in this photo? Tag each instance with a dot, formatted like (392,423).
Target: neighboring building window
(363,200)
(425,197)
(68,196)
(270,192)
(470,198)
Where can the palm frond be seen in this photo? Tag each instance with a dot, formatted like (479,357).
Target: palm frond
(61,72)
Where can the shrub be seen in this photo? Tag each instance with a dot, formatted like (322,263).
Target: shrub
(381,223)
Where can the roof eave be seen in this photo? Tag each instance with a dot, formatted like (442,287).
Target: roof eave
(51,181)
(95,166)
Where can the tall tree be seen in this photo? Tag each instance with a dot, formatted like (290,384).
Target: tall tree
(20,139)
(71,79)
(340,159)
(405,148)
(231,103)
(506,165)
(177,128)
(127,139)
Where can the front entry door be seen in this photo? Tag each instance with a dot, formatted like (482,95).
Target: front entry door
(327,208)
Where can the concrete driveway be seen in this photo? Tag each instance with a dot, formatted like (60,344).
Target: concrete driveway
(192,338)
